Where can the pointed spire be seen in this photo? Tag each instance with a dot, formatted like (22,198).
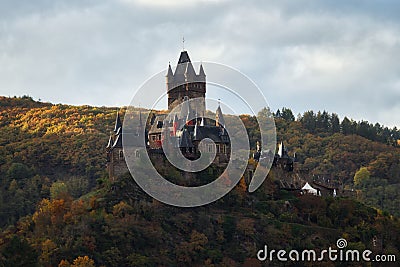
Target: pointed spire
(189,72)
(201,72)
(118,123)
(281,149)
(219,117)
(169,73)
(110,142)
(184,57)
(184,62)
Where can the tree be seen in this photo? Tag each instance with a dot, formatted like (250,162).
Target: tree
(287,114)
(84,261)
(48,249)
(335,123)
(347,126)
(58,190)
(362,175)
(309,121)
(18,252)
(19,171)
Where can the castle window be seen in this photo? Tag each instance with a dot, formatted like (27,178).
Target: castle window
(223,149)
(210,148)
(121,154)
(218,146)
(159,137)
(153,138)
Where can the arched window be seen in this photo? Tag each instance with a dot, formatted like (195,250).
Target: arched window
(121,154)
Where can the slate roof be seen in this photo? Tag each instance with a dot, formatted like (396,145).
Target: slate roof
(118,123)
(185,140)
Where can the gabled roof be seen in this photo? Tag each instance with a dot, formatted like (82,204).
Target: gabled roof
(169,73)
(185,140)
(201,72)
(157,126)
(307,187)
(212,132)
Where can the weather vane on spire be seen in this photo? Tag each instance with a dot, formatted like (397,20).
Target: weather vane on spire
(183,43)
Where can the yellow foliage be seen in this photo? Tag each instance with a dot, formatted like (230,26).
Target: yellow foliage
(64,263)
(84,261)
(48,248)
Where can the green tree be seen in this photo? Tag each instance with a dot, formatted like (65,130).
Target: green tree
(287,114)
(362,175)
(335,123)
(58,190)
(19,171)
(18,252)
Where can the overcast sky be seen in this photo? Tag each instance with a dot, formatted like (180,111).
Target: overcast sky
(339,56)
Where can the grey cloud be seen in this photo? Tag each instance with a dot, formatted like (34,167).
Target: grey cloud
(332,55)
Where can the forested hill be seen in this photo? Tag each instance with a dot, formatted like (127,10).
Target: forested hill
(57,203)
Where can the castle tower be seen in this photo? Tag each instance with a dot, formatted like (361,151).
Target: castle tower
(219,117)
(185,82)
(115,156)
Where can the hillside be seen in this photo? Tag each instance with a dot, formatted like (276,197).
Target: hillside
(57,203)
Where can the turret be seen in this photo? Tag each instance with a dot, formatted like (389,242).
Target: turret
(110,142)
(170,78)
(118,123)
(202,75)
(219,117)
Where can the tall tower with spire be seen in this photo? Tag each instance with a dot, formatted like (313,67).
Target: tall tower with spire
(115,155)
(183,131)
(185,82)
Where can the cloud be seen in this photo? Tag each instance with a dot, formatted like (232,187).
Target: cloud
(332,55)
(169,3)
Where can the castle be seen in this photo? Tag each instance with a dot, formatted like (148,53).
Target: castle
(186,125)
